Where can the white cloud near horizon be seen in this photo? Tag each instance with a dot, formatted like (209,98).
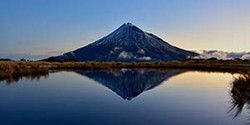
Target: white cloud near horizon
(222,55)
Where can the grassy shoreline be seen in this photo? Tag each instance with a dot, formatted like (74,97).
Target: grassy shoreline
(20,68)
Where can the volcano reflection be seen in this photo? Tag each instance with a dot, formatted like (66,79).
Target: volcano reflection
(129,83)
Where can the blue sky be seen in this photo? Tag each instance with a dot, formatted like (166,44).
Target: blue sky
(39,28)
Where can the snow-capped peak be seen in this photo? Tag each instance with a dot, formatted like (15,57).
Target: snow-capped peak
(129,24)
(129,43)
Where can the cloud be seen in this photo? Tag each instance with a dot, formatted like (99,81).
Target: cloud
(246,57)
(20,56)
(145,58)
(125,55)
(141,51)
(129,55)
(222,55)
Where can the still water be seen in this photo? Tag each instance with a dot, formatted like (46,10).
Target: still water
(124,96)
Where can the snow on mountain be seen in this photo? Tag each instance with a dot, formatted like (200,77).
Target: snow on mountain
(128,44)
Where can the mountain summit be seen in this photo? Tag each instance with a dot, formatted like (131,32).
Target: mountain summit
(128,43)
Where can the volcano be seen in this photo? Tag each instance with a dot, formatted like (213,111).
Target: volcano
(128,43)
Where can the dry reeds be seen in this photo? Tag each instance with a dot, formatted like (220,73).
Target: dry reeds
(240,93)
(13,68)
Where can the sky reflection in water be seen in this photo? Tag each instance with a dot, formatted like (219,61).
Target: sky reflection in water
(126,96)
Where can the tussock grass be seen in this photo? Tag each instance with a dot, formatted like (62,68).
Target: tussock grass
(21,68)
(240,93)
(10,69)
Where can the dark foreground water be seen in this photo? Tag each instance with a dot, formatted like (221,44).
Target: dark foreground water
(126,96)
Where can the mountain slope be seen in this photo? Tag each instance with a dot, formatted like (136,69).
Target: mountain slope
(126,44)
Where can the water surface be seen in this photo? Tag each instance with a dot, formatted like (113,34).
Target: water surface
(122,96)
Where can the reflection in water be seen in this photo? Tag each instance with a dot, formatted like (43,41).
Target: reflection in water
(240,94)
(16,78)
(129,83)
(82,101)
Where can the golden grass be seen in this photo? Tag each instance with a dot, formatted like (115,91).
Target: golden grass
(14,68)
(11,68)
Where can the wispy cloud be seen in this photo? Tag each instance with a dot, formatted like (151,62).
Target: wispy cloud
(32,54)
(20,56)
